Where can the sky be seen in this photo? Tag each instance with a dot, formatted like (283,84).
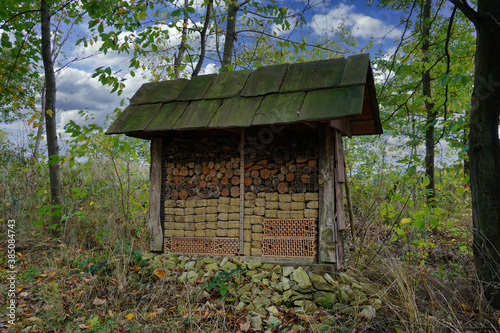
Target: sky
(77,90)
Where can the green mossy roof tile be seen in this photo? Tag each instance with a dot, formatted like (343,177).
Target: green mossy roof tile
(227,84)
(198,114)
(134,118)
(332,103)
(197,87)
(159,92)
(167,116)
(236,112)
(314,75)
(265,80)
(279,108)
(356,69)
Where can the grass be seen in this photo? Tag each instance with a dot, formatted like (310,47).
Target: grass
(93,279)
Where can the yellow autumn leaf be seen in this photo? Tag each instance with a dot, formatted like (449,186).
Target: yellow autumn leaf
(49,112)
(151,315)
(406,220)
(159,273)
(129,316)
(91,203)
(498,320)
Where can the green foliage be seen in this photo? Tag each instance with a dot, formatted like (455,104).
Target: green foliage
(218,283)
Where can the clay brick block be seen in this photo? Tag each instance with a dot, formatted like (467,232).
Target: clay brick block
(311,196)
(256,237)
(250,196)
(211,217)
(285,198)
(312,205)
(170,204)
(199,233)
(180,219)
(189,211)
(221,232)
(200,225)
(272,205)
(201,203)
(297,214)
(261,195)
(189,218)
(222,225)
(284,205)
(201,211)
(283,214)
(271,214)
(168,233)
(308,213)
(169,218)
(189,233)
(260,210)
(247,249)
(190,203)
(298,197)
(235,202)
(256,252)
(247,235)
(260,202)
(211,232)
(224,201)
(190,226)
(248,211)
(257,228)
(223,217)
(168,226)
(256,244)
(271,196)
(169,211)
(234,208)
(212,202)
(211,225)
(212,209)
(300,205)
(233,233)
(223,208)
(234,216)
(179,211)
(200,218)
(180,203)
(179,233)
(234,225)
(249,203)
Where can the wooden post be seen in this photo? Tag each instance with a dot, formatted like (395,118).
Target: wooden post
(339,168)
(154,224)
(242,189)
(327,229)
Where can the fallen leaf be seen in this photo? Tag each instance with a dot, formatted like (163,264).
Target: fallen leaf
(151,315)
(244,324)
(98,301)
(129,316)
(34,319)
(159,273)
(307,318)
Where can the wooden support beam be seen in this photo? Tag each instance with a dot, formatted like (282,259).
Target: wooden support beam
(154,224)
(327,229)
(343,125)
(242,189)
(339,171)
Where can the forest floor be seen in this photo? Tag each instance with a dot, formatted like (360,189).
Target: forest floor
(118,288)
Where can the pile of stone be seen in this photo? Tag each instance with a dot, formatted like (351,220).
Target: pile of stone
(262,288)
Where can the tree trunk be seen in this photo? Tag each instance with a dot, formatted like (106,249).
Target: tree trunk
(50,115)
(227,58)
(484,150)
(39,132)
(431,114)
(182,46)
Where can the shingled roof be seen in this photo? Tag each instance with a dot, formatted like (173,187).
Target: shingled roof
(306,92)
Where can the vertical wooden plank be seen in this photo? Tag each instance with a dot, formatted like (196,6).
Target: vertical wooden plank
(327,229)
(154,224)
(339,167)
(242,189)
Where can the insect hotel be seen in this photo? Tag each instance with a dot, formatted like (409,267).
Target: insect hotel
(251,163)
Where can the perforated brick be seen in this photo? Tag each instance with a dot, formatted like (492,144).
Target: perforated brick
(192,245)
(226,246)
(290,228)
(289,248)
(167,247)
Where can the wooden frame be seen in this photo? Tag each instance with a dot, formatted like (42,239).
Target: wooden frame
(154,227)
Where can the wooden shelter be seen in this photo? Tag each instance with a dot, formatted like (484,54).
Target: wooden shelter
(251,163)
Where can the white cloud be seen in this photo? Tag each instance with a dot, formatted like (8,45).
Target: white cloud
(360,25)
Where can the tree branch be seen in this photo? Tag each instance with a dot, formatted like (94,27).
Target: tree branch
(203,41)
(467,10)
